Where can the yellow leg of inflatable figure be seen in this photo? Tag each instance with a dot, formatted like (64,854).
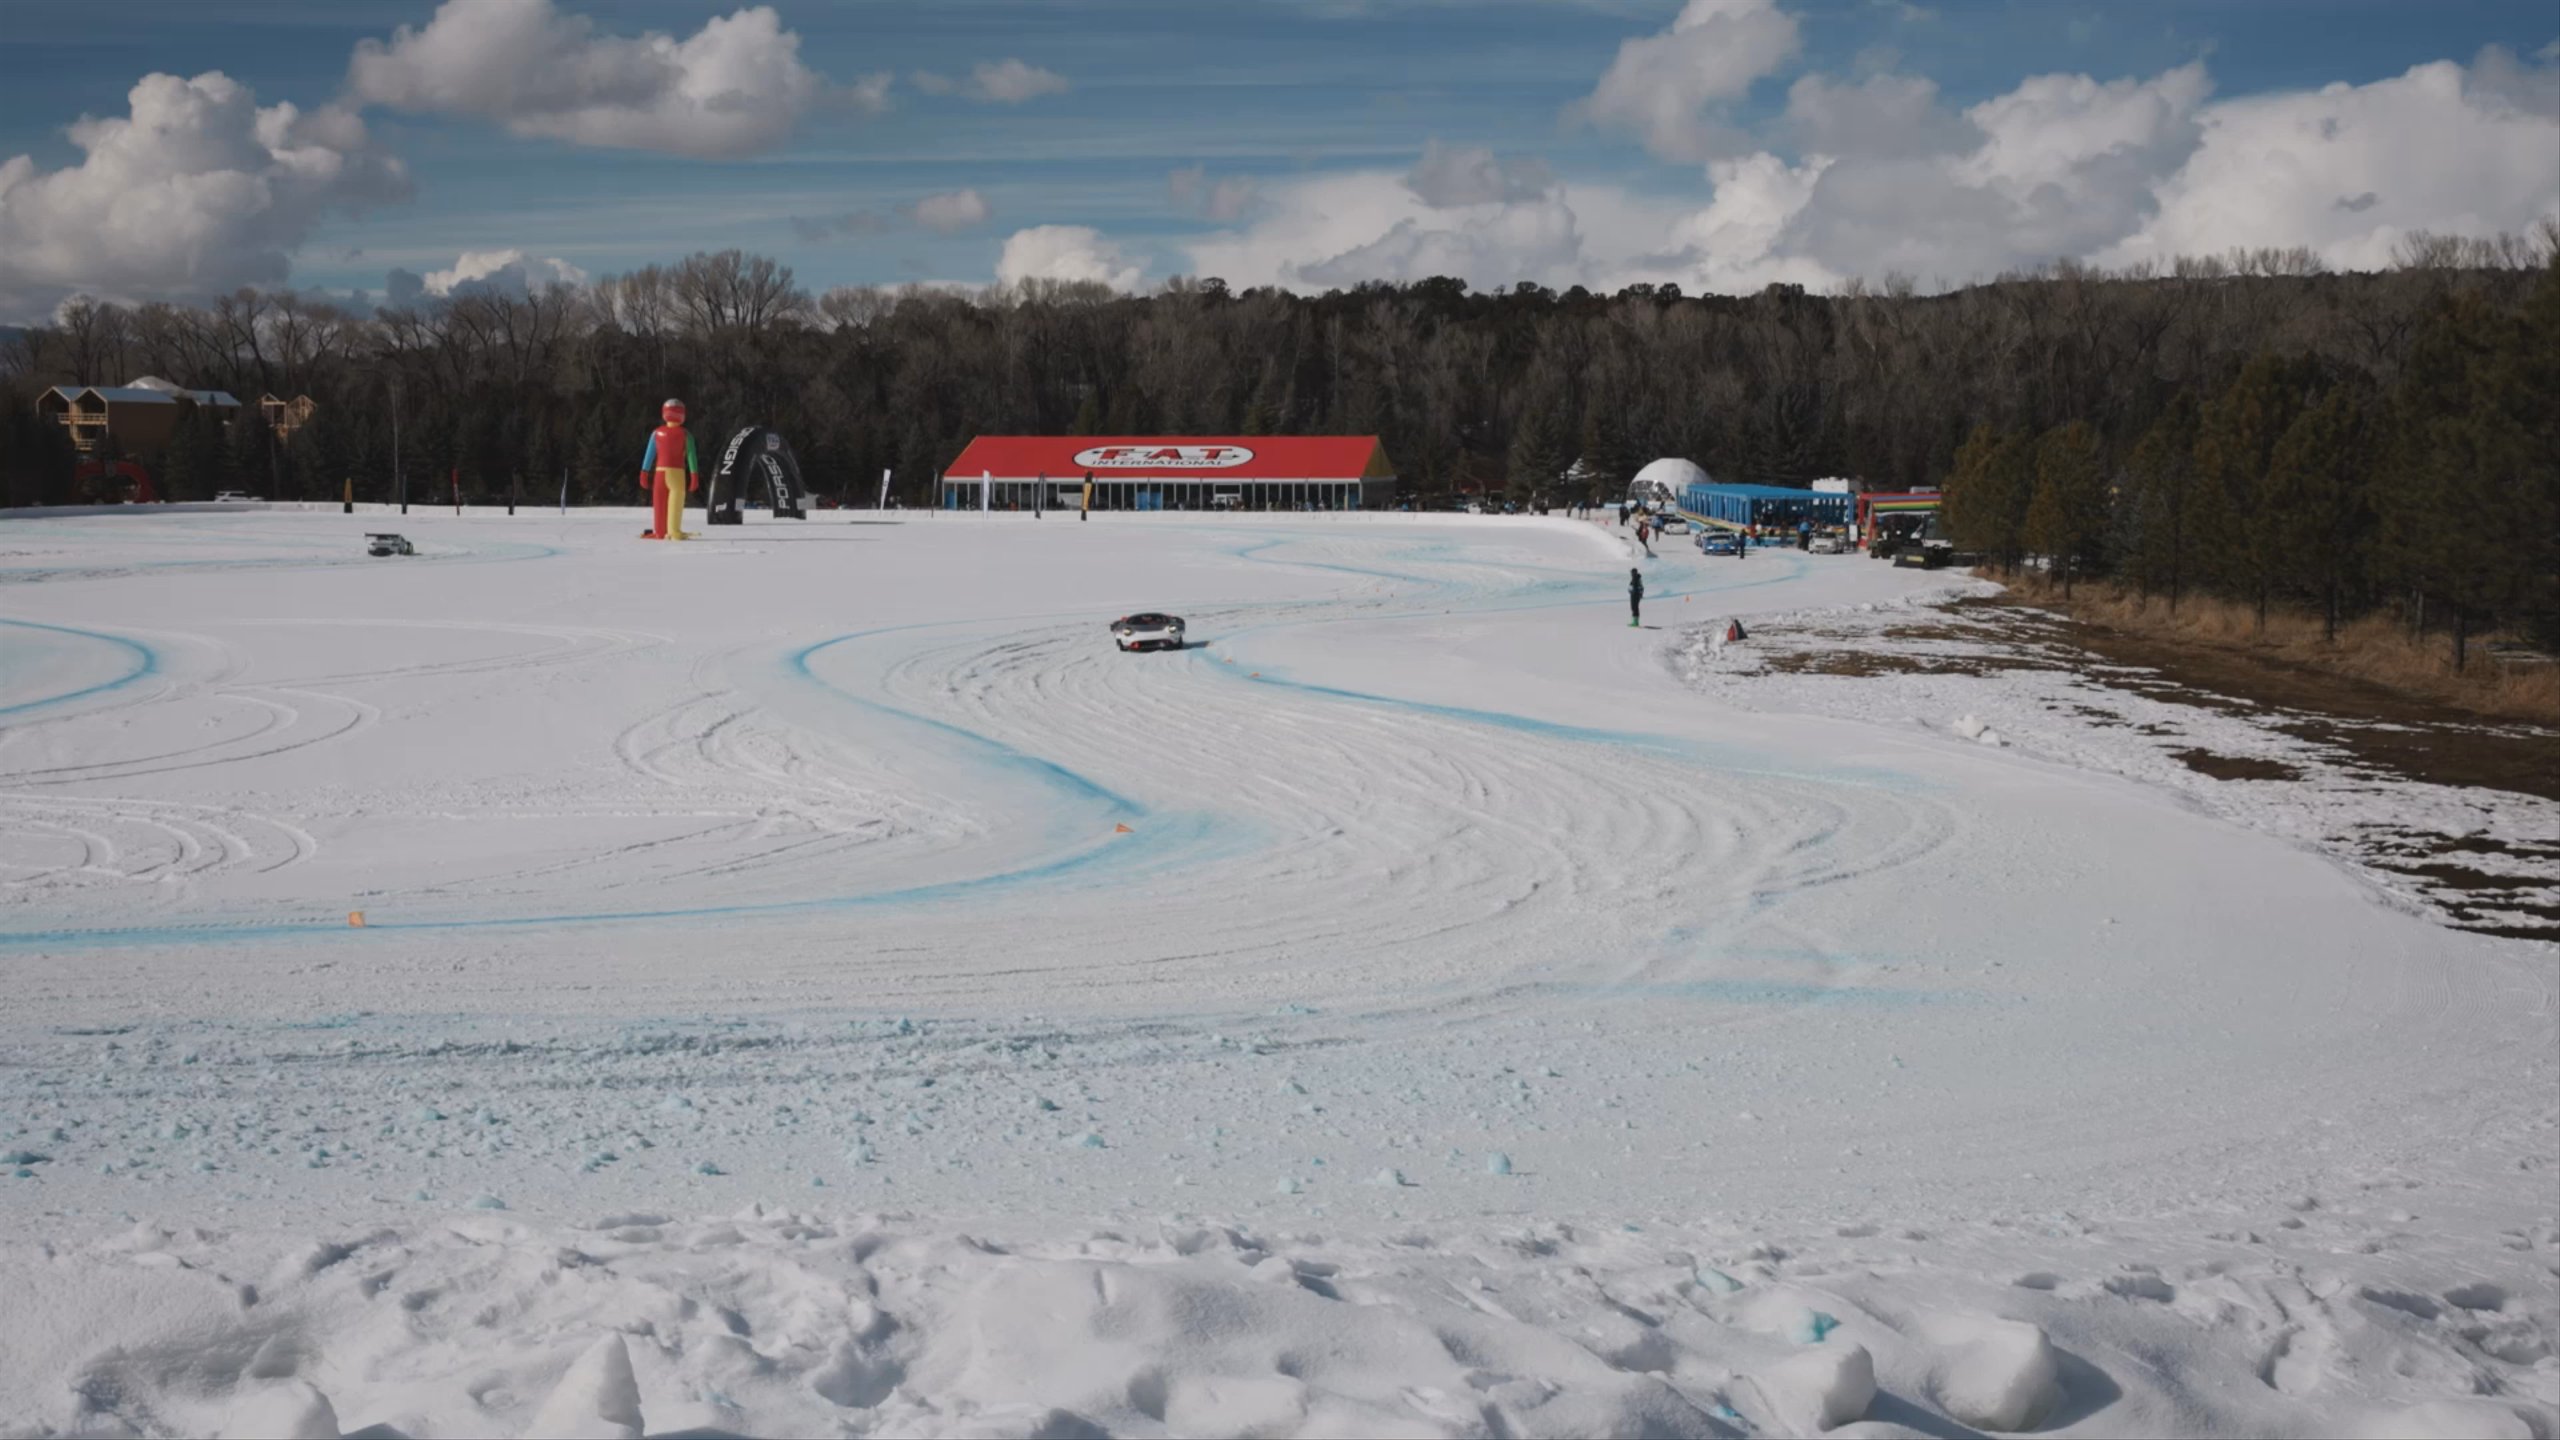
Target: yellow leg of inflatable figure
(671,512)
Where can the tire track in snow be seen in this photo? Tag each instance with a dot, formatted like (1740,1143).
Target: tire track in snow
(1443,852)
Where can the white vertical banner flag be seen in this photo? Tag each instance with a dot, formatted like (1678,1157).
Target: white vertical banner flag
(884,491)
(986,491)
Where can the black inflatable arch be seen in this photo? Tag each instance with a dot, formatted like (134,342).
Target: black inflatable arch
(757,467)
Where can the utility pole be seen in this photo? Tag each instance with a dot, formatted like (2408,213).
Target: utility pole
(399,479)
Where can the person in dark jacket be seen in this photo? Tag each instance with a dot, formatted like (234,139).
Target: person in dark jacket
(1635,597)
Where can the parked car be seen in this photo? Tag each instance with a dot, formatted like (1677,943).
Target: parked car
(1671,524)
(388,545)
(1828,545)
(232,497)
(1719,542)
(1147,631)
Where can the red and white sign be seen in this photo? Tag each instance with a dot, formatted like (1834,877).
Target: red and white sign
(1163,457)
(1137,459)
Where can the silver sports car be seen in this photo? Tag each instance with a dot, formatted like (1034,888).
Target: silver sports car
(1148,631)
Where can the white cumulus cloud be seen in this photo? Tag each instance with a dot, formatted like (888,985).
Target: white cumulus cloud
(1448,176)
(1222,200)
(1334,231)
(1885,178)
(734,87)
(2059,167)
(510,273)
(2349,170)
(1669,88)
(2126,170)
(1067,253)
(197,189)
(947,213)
(999,82)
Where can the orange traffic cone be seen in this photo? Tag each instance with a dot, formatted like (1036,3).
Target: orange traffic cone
(1122,830)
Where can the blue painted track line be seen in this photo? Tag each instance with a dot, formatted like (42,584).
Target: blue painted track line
(145,662)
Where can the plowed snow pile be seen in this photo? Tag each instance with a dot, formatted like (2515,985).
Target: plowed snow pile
(809,983)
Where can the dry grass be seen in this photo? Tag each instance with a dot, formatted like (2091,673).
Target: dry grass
(2374,649)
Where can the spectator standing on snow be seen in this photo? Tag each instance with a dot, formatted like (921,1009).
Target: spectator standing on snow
(1635,597)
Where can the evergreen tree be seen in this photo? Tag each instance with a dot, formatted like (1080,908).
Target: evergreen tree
(1972,511)
(191,466)
(2427,536)
(245,463)
(2235,436)
(1607,454)
(1988,495)
(322,455)
(2528,383)
(36,458)
(2159,485)
(2067,512)
(597,465)
(2312,506)
(2495,478)
(1537,455)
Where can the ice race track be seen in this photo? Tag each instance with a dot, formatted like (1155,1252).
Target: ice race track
(808,982)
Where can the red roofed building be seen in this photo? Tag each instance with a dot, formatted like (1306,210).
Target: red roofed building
(1172,472)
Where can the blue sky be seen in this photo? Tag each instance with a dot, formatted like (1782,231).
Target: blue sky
(1273,93)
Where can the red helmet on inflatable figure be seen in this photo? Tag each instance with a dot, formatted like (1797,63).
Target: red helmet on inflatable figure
(672,412)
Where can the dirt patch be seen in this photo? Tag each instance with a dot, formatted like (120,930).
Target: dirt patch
(2506,679)
(2352,730)
(2525,761)
(2483,845)
(1878,662)
(2235,767)
(1976,642)
(2383,730)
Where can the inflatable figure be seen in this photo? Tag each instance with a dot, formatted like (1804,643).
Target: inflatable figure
(668,470)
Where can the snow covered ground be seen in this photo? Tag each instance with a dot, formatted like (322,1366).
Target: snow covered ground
(808,982)
(2005,677)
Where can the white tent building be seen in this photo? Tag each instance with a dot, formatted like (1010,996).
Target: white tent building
(1659,484)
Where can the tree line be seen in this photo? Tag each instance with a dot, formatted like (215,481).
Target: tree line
(2430,486)
(2128,421)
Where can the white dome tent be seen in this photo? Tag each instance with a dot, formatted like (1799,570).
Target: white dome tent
(1659,484)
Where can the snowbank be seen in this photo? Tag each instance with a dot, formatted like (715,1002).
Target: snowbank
(777,1321)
